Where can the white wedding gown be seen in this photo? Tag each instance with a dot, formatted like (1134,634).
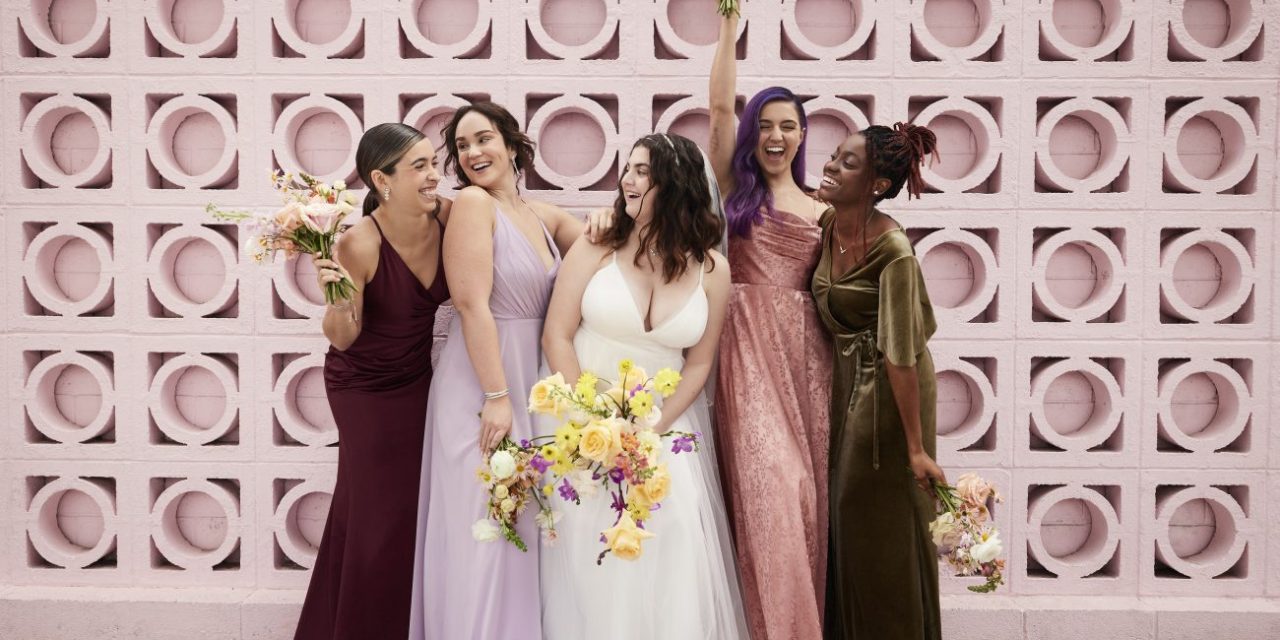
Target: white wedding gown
(685,585)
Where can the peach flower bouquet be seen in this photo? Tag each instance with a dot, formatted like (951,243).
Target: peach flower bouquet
(966,538)
(312,217)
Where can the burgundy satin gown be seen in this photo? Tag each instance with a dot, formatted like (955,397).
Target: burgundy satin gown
(377,389)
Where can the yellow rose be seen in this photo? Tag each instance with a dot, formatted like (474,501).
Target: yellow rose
(666,382)
(601,441)
(542,396)
(624,539)
(656,487)
(641,404)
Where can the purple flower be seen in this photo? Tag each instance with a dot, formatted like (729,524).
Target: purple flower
(568,492)
(637,389)
(524,444)
(683,444)
(616,475)
(619,504)
(540,463)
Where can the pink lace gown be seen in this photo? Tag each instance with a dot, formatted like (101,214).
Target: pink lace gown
(771,408)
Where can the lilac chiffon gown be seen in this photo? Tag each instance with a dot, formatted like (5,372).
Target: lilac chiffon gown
(464,589)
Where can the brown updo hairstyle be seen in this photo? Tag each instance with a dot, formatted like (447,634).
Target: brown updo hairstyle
(682,224)
(381,147)
(506,125)
(897,154)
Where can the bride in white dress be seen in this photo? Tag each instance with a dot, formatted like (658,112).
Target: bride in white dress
(653,290)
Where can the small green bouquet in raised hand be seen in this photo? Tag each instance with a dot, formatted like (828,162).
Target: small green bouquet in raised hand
(729,8)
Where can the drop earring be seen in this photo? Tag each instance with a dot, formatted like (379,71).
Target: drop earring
(386,193)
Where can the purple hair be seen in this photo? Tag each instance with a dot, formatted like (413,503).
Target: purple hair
(750,195)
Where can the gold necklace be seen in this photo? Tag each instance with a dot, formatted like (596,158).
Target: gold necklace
(836,221)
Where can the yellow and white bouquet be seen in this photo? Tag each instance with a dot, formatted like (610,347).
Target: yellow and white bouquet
(966,538)
(310,221)
(608,441)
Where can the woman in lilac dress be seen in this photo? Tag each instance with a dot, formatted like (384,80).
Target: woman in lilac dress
(377,374)
(501,254)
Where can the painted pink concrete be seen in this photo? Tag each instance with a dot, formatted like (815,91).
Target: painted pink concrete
(1098,239)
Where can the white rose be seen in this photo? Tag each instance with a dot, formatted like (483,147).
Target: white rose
(583,484)
(339,185)
(988,549)
(484,531)
(350,197)
(652,419)
(649,440)
(942,527)
(502,464)
(501,492)
(508,505)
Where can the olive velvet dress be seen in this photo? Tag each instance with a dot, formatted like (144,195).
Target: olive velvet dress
(882,570)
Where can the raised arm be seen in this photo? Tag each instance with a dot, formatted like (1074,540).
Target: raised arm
(468,268)
(565,310)
(723,94)
(356,255)
(700,357)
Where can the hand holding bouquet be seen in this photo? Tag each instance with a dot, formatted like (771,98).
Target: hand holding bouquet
(309,222)
(964,533)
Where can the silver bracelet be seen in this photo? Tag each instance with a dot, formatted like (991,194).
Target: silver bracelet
(494,395)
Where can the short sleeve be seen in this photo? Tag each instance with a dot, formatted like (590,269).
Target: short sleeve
(905,322)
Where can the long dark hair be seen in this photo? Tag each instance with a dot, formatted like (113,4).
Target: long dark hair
(751,199)
(507,126)
(897,154)
(682,225)
(381,147)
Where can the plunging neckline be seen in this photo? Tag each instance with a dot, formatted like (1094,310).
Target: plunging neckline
(831,261)
(640,315)
(546,235)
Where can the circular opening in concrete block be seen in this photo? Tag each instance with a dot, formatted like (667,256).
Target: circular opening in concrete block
(825,133)
(1076,147)
(694,125)
(201,521)
(694,21)
(76,270)
(319,22)
(193,21)
(572,22)
(1203,404)
(1201,531)
(79,519)
(962,145)
(1072,275)
(307,517)
(1077,403)
(198,142)
(447,22)
(949,273)
(956,23)
(572,143)
(307,396)
(1205,148)
(1215,23)
(1202,276)
(828,23)
(1085,23)
(322,143)
(73,144)
(1073,531)
(77,396)
(199,397)
(68,21)
(195,270)
(959,402)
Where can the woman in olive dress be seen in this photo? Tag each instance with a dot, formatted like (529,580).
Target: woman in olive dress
(882,568)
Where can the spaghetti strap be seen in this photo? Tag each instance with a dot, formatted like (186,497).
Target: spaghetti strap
(375,223)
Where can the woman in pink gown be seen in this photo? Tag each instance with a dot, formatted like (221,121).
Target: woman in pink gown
(775,357)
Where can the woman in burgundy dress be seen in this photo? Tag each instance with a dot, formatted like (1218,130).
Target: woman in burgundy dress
(377,374)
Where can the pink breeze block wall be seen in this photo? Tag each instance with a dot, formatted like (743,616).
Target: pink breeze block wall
(1098,241)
